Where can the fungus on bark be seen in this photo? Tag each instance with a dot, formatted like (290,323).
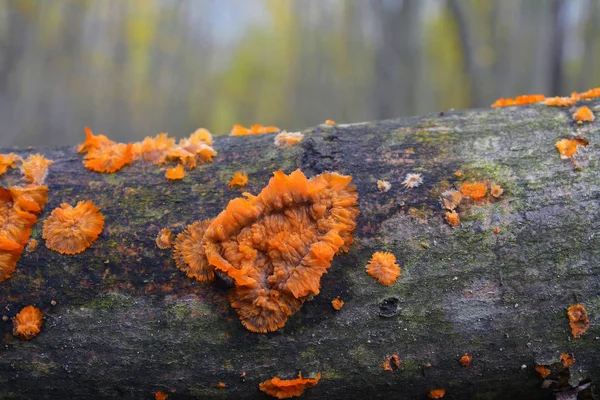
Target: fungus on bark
(175,173)
(578,320)
(568,147)
(239,179)
(392,362)
(35,168)
(383,186)
(583,114)
(496,190)
(452,218)
(474,190)
(286,388)
(383,267)
(465,360)
(412,180)
(437,393)
(519,100)
(8,161)
(542,370)
(329,122)
(567,360)
(28,322)
(164,239)
(277,245)
(451,199)
(337,303)
(71,230)
(561,101)
(160,396)
(189,253)
(256,129)
(288,139)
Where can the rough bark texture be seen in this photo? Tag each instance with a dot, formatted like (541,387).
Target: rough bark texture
(127,323)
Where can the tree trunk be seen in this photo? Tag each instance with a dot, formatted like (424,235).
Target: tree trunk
(128,323)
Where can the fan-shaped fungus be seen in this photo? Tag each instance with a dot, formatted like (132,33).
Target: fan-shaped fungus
(31,245)
(256,129)
(412,180)
(288,139)
(175,173)
(583,114)
(383,267)
(164,239)
(337,303)
(189,253)
(475,190)
(567,360)
(465,360)
(277,245)
(437,393)
(35,168)
(496,190)
(8,161)
(28,322)
(542,370)
(451,199)
(71,230)
(452,218)
(578,320)
(109,159)
(568,147)
(562,101)
(383,186)
(590,94)
(286,388)
(240,179)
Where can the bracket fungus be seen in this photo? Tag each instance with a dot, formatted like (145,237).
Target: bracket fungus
(286,388)
(277,245)
(71,230)
(189,253)
(383,267)
(28,322)
(240,179)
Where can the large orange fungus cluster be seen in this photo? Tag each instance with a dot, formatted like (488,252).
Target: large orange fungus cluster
(549,101)
(275,246)
(286,388)
(28,322)
(256,129)
(104,155)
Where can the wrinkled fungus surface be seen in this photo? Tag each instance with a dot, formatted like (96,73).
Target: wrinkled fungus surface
(578,320)
(175,173)
(568,147)
(71,230)
(164,239)
(8,161)
(452,218)
(286,388)
(277,245)
(27,323)
(239,179)
(337,303)
(474,190)
(35,168)
(383,267)
(583,114)
(189,253)
(519,100)
(256,129)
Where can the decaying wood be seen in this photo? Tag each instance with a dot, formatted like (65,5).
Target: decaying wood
(127,323)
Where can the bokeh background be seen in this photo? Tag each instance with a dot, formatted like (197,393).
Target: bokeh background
(132,68)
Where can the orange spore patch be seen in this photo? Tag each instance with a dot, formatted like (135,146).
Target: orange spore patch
(19,206)
(189,253)
(392,362)
(164,239)
(175,173)
(337,303)
(496,190)
(567,360)
(286,388)
(31,246)
(519,100)
(578,320)
(568,147)
(452,218)
(35,168)
(8,161)
(330,122)
(256,129)
(465,360)
(288,139)
(277,245)
(383,267)
(28,322)
(542,370)
(474,190)
(160,396)
(71,230)
(583,114)
(437,393)
(240,179)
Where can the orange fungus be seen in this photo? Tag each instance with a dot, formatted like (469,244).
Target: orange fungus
(175,173)
(383,267)
(288,139)
(71,230)
(437,393)
(562,101)
(256,129)
(542,370)
(567,360)
(337,303)
(35,168)
(8,161)
(240,179)
(277,245)
(392,362)
(189,253)
(330,122)
(578,320)
(286,388)
(160,396)
(164,239)
(496,190)
(465,360)
(519,100)
(475,190)
(452,218)
(583,114)
(27,323)
(568,147)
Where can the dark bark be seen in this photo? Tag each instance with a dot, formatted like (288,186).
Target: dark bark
(127,323)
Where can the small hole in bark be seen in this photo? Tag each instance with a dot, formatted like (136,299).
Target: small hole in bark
(389,307)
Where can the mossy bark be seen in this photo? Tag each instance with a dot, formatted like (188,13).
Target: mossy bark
(127,323)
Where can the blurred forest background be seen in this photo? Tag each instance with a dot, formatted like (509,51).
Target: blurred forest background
(138,67)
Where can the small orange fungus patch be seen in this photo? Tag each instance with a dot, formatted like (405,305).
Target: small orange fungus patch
(562,101)
(330,122)
(590,94)
(71,230)
(240,179)
(465,360)
(452,218)
(31,246)
(542,370)
(474,190)
(437,393)
(496,230)
(256,129)
(189,253)
(383,267)
(221,385)
(451,199)
(175,173)
(496,190)
(286,388)
(392,362)
(337,303)
(288,139)
(35,168)
(568,147)
(458,174)
(164,239)
(160,396)
(412,180)
(519,100)
(28,322)
(567,360)
(277,245)
(578,320)
(8,161)
(383,186)
(583,114)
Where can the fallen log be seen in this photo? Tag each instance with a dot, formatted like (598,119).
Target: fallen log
(121,321)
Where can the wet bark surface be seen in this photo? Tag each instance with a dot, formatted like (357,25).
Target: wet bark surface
(127,323)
